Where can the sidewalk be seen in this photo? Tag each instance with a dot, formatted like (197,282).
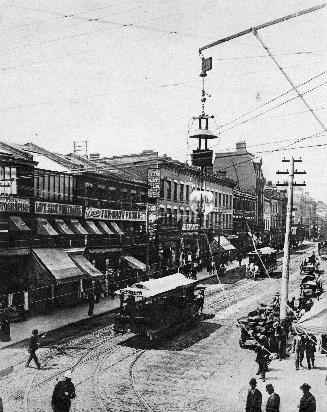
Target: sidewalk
(63,317)
(287,381)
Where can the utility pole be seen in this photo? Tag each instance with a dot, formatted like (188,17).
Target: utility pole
(286,257)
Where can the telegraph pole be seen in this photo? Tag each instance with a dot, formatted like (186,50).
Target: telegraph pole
(286,257)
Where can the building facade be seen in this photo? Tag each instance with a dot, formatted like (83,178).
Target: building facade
(64,226)
(179,229)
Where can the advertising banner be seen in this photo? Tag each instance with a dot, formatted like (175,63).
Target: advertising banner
(60,209)
(109,214)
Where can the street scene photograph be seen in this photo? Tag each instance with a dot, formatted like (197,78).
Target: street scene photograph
(163,206)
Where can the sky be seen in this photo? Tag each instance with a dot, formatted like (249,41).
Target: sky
(124,75)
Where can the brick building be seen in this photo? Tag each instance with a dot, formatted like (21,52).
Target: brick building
(177,226)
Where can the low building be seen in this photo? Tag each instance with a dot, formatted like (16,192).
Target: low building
(66,224)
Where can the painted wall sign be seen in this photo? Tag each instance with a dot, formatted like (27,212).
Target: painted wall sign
(61,209)
(154,183)
(190,226)
(11,204)
(109,214)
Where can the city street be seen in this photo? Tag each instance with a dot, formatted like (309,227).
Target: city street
(201,369)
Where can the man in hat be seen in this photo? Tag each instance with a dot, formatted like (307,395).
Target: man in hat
(262,357)
(63,393)
(273,401)
(308,401)
(298,348)
(254,398)
(310,349)
(32,348)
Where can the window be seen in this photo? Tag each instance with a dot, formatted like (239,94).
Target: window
(162,188)
(187,195)
(162,216)
(175,191)
(181,192)
(224,199)
(169,216)
(169,189)
(219,199)
(187,215)
(175,216)
(231,201)
(216,199)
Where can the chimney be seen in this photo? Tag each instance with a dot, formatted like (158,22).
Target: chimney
(241,146)
(94,156)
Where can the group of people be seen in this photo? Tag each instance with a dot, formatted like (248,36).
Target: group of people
(254,399)
(304,345)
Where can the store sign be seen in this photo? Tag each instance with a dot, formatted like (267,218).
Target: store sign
(61,209)
(109,214)
(190,226)
(154,183)
(9,204)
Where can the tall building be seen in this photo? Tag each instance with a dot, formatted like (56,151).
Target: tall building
(171,183)
(241,166)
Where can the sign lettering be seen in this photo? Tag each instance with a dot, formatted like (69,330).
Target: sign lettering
(154,183)
(109,214)
(47,208)
(10,204)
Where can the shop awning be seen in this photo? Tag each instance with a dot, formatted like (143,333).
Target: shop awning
(116,228)
(14,252)
(63,228)
(79,228)
(93,227)
(44,227)
(85,266)
(18,224)
(111,250)
(59,264)
(224,243)
(135,263)
(105,228)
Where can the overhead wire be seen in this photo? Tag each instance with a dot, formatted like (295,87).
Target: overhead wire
(271,100)
(272,108)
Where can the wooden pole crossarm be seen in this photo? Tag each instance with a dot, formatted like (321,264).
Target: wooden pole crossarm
(262,26)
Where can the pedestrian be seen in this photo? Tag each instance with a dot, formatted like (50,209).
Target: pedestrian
(91,302)
(209,268)
(280,337)
(98,291)
(273,401)
(262,357)
(5,329)
(32,348)
(200,301)
(239,258)
(63,393)
(310,349)
(298,349)
(254,398)
(308,401)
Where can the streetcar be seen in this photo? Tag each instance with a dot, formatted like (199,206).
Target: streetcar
(264,259)
(159,306)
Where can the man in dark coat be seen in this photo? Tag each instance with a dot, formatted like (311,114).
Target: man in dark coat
(91,302)
(273,401)
(310,349)
(63,392)
(254,398)
(32,348)
(262,357)
(308,401)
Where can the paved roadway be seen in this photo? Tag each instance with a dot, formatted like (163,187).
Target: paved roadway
(202,369)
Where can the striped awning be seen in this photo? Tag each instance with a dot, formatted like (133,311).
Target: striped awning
(93,227)
(63,227)
(116,228)
(77,226)
(18,224)
(105,228)
(44,228)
